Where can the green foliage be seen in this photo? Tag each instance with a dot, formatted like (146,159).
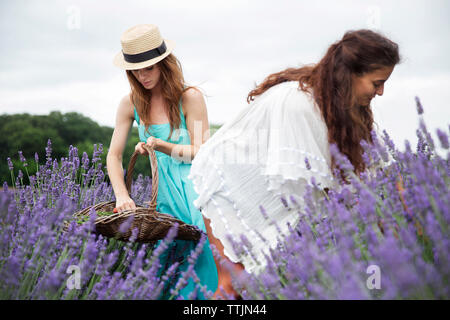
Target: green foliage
(213,128)
(30,133)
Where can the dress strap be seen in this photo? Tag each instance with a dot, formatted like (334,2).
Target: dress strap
(136,116)
(181,112)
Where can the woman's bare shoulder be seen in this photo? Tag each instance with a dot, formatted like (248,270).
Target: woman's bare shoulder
(192,94)
(126,107)
(192,98)
(126,100)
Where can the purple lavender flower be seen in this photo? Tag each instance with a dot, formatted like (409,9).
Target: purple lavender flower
(419,106)
(284,202)
(341,160)
(85,161)
(22,159)
(10,164)
(263,212)
(443,138)
(125,226)
(97,153)
(308,165)
(48,150)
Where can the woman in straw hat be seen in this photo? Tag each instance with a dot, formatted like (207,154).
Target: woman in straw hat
(274,146)
(165,111)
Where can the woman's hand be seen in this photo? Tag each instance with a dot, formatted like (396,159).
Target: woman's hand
(139,148)
(124,203)
(153,142)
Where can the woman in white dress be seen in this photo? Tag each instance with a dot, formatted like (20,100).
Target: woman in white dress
(258,158)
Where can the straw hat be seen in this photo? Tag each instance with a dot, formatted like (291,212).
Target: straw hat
(142,46)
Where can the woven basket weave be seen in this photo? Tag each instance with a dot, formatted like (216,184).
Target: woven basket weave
(151,225)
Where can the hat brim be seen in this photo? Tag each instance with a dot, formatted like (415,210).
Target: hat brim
(120,62)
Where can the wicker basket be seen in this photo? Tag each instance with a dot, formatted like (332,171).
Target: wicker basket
(151,225)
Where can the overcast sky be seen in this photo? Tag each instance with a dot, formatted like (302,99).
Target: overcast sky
(57,55)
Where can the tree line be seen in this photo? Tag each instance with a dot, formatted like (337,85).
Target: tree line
(30,133)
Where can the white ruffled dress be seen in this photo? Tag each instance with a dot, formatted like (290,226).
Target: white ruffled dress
(252,161)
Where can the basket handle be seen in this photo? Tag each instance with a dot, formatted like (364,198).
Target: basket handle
(154,165)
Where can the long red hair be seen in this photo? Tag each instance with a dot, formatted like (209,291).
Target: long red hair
(358,52)
(172,88)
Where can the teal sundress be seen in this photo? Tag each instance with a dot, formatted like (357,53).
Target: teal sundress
(175,197)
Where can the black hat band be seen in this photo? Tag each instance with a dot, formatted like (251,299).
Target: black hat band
(147,55)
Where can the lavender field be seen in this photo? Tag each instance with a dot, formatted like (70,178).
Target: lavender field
(382,235)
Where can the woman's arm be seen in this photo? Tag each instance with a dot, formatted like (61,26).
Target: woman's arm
(197,125)
(124,121)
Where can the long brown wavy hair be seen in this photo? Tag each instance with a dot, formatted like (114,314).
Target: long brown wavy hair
(172,88)
(358,52)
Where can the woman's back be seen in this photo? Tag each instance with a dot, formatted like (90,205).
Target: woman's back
(254,159)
